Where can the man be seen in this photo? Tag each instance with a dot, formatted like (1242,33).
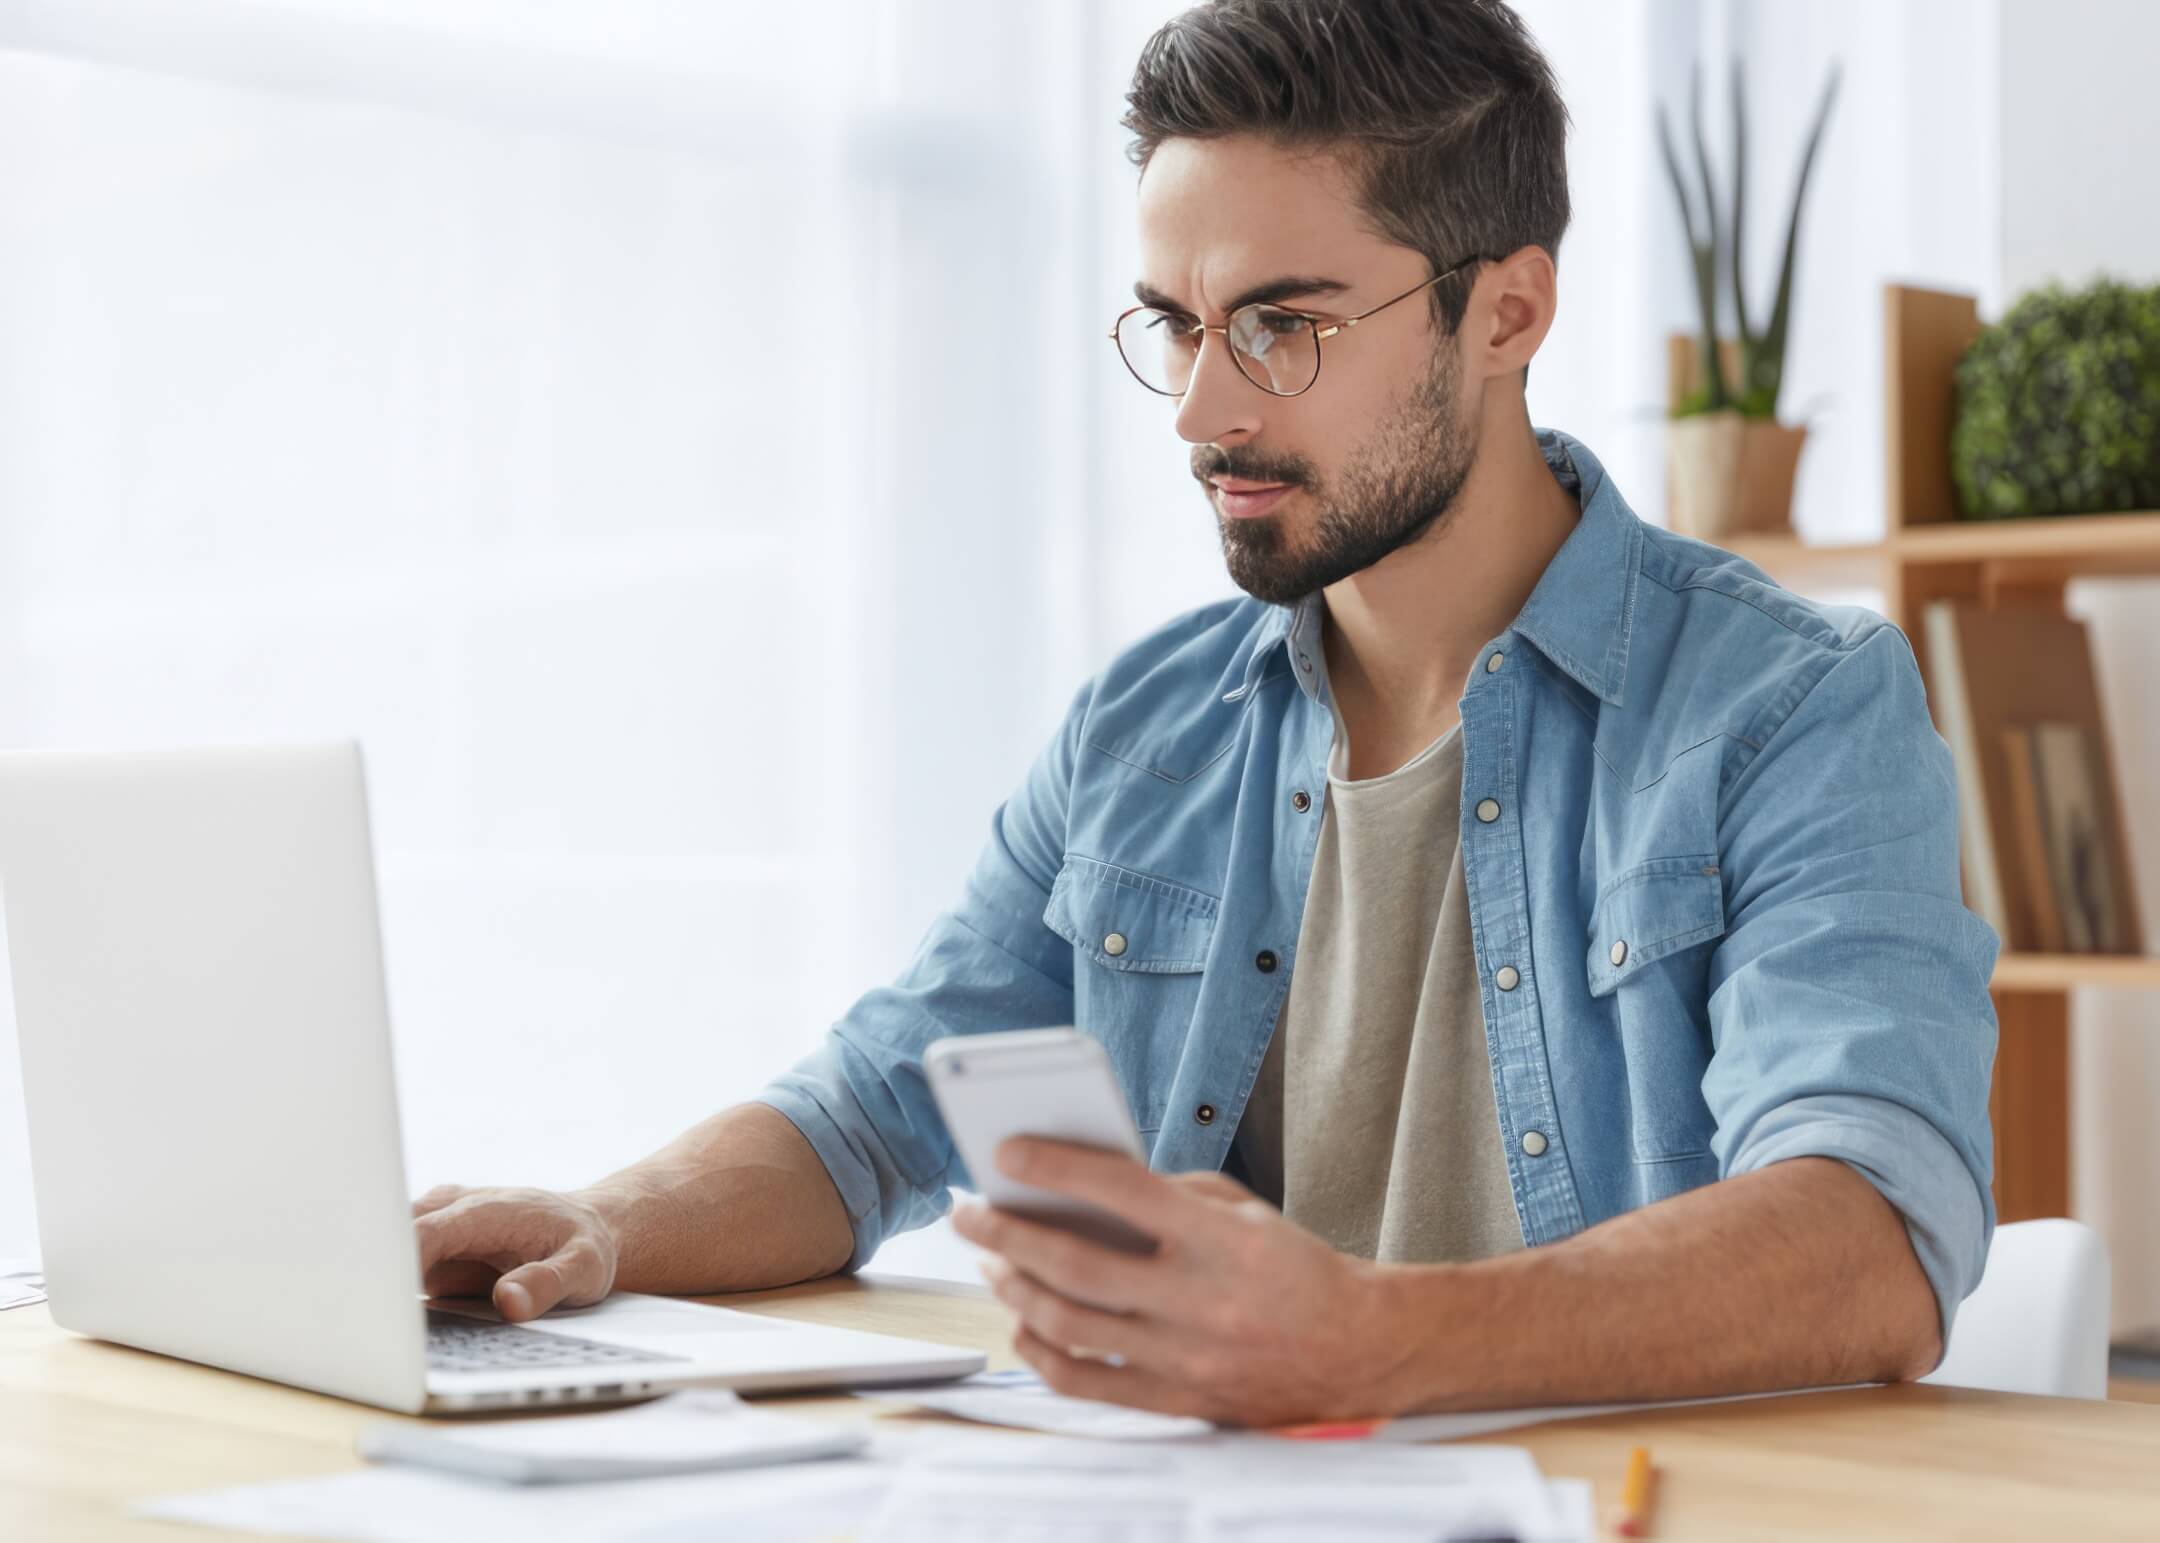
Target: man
(1495,877)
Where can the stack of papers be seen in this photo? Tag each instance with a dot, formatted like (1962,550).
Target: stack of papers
(952,1485)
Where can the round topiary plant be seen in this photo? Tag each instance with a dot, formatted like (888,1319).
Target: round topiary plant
(2058,406)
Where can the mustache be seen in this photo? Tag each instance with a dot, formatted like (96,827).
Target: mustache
(1213,461)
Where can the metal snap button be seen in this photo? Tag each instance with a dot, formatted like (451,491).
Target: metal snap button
(1265,961)
(1492,665)
(1488,810)
(1506,978)
(1114,944)
(1301,800)
(1205,1114)
(1533,1142)
(1619,952)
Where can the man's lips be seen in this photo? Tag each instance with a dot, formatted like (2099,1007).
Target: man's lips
(1242,500)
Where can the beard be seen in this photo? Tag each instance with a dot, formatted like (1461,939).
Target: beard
(1399,485)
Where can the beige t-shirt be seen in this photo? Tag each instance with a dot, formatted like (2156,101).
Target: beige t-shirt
(1373,1122)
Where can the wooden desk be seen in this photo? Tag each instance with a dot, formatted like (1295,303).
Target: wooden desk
(85,1428)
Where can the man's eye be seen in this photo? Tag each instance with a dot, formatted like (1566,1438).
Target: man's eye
(1284,323)
(1177,327)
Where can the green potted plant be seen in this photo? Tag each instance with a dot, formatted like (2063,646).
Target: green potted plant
(2058,406)
(1729,461)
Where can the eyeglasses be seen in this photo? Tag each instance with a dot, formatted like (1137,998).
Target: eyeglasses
(1277,350)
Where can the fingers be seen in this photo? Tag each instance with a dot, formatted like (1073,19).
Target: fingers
(491,1225)
(1211,1185)
(460,1278)
(1079,1269)
(528,1250)
(438,1197)
(1073,1326)
(1117,1183)
(1081,1377)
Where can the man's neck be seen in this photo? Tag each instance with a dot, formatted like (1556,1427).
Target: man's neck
(1403,634)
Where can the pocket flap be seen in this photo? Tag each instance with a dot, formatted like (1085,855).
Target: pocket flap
(1125,920)
(1655,909)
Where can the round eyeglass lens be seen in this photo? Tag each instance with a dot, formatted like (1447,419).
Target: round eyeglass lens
(1279,351)
(1159,349)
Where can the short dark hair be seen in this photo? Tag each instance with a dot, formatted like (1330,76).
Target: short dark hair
(1444,111)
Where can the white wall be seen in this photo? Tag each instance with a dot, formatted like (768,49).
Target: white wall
(667,435)
(2080,142)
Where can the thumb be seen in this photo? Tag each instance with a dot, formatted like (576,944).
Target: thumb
(559,1280)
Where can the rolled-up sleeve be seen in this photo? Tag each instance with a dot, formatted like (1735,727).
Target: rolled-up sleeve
(989,963)
(1849,1003)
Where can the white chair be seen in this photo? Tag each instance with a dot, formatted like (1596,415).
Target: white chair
(2039,1321)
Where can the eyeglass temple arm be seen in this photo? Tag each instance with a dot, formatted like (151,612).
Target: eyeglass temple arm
(1347,321)
(1352,321)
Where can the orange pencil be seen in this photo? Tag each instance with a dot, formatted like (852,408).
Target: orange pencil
(1635,1493)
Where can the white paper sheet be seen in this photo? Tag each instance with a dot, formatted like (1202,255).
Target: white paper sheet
(22,1282)
(981,1485)
(412,1505)
(1558,1512)
(694,1431)
(1228,1457)
(1020,1399)
(945,1506)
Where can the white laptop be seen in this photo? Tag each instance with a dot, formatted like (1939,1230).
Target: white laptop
(213,1125)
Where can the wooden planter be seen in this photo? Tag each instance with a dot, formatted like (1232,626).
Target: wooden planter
(1726,475)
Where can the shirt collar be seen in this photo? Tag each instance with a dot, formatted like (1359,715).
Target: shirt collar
(1580,615)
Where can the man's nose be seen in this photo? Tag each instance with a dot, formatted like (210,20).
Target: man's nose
(1219,404)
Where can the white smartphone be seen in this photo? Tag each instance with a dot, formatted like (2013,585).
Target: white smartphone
(1055,1083)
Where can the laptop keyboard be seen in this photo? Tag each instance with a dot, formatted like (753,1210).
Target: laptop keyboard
(459,1344)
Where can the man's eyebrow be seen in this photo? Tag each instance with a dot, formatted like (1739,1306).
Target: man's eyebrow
(1272,292)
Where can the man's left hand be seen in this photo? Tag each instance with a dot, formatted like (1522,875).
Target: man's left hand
(1240,1316)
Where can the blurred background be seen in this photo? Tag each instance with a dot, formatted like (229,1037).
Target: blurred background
(680,440)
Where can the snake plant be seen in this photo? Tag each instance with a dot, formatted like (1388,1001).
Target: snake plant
(1718,247)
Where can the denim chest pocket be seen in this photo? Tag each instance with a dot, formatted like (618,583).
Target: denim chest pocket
(1655,909)
(1139,945)
(1646,961)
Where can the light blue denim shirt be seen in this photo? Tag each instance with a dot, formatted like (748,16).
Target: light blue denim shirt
(1707,825)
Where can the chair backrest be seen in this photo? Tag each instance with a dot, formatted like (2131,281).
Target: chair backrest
(2038,1323)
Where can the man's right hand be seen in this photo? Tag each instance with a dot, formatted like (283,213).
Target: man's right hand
(530,1250)
(739,1202)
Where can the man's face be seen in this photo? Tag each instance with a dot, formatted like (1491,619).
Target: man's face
(1372,456)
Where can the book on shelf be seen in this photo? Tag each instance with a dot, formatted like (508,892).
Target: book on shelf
(2072,890)
(2041,922)
(2040,825)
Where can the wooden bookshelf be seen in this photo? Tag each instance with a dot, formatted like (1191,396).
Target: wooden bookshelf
(2063,972)
(1927,554)
(2010,554)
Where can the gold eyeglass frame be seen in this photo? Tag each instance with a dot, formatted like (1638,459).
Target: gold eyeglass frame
(1320,332)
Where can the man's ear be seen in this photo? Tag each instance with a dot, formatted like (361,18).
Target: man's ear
(1511,309)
